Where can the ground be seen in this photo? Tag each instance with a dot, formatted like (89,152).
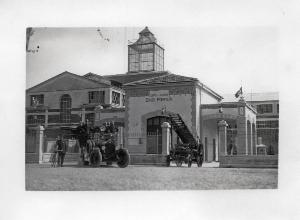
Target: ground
(73,177)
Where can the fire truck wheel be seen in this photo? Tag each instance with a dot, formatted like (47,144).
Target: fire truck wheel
(123,158)
(95,158)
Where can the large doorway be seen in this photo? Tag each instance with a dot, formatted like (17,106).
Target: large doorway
(154,134)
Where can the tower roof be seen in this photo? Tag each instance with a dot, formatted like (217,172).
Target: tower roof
(146,36)
(145,30)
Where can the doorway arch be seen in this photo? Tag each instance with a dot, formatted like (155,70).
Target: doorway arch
(154,134)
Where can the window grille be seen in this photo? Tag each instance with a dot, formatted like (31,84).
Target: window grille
(115,98)
(65,109)
(264,108)
(36,100)
(96,97)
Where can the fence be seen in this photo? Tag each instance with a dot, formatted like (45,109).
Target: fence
(39,146)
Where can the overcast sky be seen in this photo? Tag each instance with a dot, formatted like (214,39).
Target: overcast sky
(223,58)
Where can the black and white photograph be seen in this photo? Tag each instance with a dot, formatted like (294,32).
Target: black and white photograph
(150,109)
(134,121)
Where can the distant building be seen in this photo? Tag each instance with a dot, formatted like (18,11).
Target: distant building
(267,119)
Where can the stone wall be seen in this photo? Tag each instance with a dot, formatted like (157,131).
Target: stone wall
(247,161)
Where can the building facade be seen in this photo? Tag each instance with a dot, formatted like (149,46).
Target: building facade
(138,102)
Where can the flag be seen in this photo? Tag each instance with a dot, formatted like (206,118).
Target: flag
(239,92)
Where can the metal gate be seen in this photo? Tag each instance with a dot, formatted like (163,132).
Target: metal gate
(154,142)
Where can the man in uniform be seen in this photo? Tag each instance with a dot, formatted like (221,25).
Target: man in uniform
(61,150)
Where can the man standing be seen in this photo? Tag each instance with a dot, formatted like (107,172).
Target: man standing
(61,150)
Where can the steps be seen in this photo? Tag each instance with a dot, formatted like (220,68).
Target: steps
(182,130)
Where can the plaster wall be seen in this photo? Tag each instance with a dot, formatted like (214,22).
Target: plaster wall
(79,97)
(137,107)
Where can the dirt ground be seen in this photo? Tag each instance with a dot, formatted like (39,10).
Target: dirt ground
(73,177)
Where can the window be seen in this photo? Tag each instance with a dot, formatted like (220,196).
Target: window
(278,108)
(267,124)
(35,119)
(90,117)
(116,98)
(264,108)
(36,100)
(65,109)
(96,97)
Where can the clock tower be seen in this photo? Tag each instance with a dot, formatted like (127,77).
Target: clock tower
(145,54)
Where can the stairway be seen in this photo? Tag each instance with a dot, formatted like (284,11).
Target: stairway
(182,130)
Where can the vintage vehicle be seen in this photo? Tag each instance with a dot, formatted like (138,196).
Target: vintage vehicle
(97,145)
(185,153)
(190,150)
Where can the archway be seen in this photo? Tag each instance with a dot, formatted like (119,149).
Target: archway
(65,108)
(154,134)
(253,138)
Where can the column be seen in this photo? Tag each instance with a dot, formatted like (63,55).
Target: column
(40,142)
(120,137)
(166,140)
(241,144)
(222,137)
(83,115)
(250,140)
(46,118)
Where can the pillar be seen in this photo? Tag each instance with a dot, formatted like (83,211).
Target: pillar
(241,144)
(46,118)
(254,139)
(222,137)
(39,142)
(120,137)
(166,138)
(83,115)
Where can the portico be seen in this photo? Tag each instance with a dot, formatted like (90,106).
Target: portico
(228,129)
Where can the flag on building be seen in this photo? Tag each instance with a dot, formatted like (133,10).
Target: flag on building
(239,92)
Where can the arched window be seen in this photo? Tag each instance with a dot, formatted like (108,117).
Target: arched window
(65,108)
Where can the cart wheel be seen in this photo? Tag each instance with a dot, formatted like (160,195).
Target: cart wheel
(178,163)
(199,160)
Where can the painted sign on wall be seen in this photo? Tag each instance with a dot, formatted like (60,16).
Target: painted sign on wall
(159,96)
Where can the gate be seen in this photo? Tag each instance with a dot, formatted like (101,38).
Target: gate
(154,142)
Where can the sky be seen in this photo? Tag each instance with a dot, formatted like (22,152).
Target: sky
(223,58)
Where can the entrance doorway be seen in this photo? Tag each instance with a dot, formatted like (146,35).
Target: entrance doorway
(154,134)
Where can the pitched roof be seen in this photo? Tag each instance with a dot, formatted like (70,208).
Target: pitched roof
(132,77)
(97,78)
(170,78)
(254,97)
(65,81)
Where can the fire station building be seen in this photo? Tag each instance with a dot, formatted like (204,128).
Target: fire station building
(138,102)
